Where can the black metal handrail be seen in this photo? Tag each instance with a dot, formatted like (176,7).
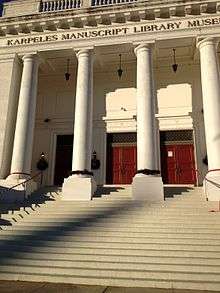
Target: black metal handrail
(211,182)
(27,180)
(24,183)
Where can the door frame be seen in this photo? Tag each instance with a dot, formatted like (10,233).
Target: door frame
(53,147)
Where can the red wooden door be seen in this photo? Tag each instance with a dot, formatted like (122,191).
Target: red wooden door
(178,164)
(123,164)
(116,165)
(169,164)
(186,164)
(128,164)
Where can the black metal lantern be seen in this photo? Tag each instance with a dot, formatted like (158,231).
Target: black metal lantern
(95,163)
(175,65)
(67,74)
(120,71)
(42,163)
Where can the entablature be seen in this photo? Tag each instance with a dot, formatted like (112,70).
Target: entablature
(39,17)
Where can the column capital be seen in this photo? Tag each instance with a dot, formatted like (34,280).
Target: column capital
(84,52)
(31,57)
(201,42)
(143,46)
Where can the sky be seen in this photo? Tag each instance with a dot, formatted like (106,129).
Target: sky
(1,1)
(1,7)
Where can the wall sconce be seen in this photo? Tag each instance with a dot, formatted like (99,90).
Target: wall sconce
(120,71)
(95,163)
(67,74)
(175,65)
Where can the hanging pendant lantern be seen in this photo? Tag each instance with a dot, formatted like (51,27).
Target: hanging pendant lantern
(120,71)
(67,74)
(175,65)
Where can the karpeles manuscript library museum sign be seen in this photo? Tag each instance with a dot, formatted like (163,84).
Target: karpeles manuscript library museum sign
(116,31)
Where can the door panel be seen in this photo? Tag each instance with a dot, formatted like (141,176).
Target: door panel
(169,164)
(128,164)
(123,164)
(116,165)
(186,164)
(178,164)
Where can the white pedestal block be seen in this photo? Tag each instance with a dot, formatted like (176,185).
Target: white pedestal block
(18,194)
(78,188)
(147,188)
(212,186)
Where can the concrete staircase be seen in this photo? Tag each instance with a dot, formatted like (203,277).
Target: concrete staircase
(115,241)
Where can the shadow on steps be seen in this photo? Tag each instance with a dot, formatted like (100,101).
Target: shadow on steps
(170,191)
(41,196)
(106,190)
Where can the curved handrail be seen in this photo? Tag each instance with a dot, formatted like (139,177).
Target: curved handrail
(205,188)
(22,183)
(212,170)
(27,180)
(218,186)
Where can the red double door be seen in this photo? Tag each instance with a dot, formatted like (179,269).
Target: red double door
(124,164)
(178,164)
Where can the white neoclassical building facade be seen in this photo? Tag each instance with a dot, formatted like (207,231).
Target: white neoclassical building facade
(112,92)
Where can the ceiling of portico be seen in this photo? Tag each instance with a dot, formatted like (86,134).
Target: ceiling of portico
(56,61)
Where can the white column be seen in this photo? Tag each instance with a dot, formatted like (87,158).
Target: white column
(81,185)
(24,131)
(82,145)
(145,109)
(147,183)
(210,78)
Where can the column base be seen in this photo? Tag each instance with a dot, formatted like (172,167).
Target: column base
(18,194)
(212,186)
(78,187)
(147,188)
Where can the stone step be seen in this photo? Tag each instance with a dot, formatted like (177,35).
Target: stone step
(116,239)
(183,204)
(122,213)
(109,281)
(115,192)
(114,223)
(109,265)
(127,273)
(71,246)
(99,201)
(116,216)
(45,227)
(13,248)
(119,233)
(154,213)
(187,198)
(148,259)
(206,218)
(149,225)
(113,197)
